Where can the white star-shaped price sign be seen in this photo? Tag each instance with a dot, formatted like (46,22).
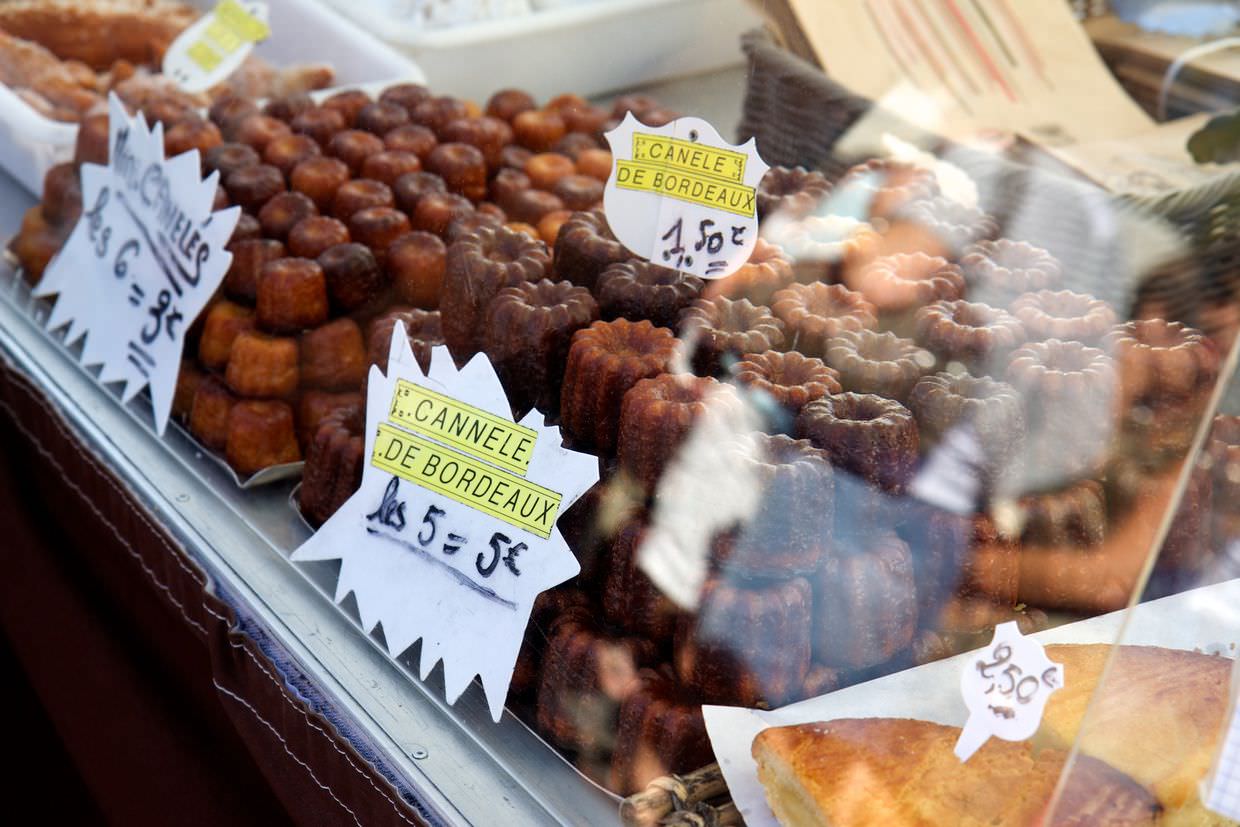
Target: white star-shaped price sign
(683,197)
(1006,687)
(142,261)
(452,534)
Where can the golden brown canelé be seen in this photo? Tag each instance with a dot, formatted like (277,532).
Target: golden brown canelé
(977,335)
(719,331)
(587,673)
(225,321)
(333,356)
(604,361)
(794,190)
(785,382)
(766,272)
(423,329)
(416,264)
(314,406)
(870,436)
(260,435)
(585,247)
(527,332)
(631,601)
(906,281)
(865,603)
(208,416)
(353,276)
(880,363)
(656,417)
(749,644)
(991,411)
(1071,517)
(813,314)
(1062,314)
(1002,269)
(636,290)
(661,731)
(263,366)
(250,256)
(292,295)
(953,224)
(790,530)
(478,267)
(334,462)
(1161,361)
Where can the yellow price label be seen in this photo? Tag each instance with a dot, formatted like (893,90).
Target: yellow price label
(473,430)
(695,188)
(203,56)
(246,26)
(468,481)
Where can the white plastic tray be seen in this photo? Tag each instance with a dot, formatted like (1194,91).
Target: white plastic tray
(587,48)
(302,32)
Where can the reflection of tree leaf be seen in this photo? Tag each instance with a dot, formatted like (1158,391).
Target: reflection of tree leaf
(1218,141)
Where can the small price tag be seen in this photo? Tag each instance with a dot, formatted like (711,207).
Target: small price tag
(682,196)
(142,261)
(451,536)
(1006,687)
(212,49)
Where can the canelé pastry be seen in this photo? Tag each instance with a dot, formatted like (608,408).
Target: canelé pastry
(596,163)
(749,644)
(578,192)
(189,377)
(814,314)
(548,608)
(604,361)
(389,165)
(438,112)
(260,435)
(900,772)
(381,117)
(636,290)
(1004,269)
(422,327)
(1074,516)
(416,263)
(878,363)
(247,227)
(311,237)
(286,152)
(795,190)
(225,321)
(991,410)
(348,103)
(405,95)
(870,436)
(656,417)
(353,275)
(790,529)
(412,138)
(631,601)
(208,416)
(191,133)
(314,406)
(719,331)
(249,257)
(506,104)
(333,356)
(549,226)
(587,673)
(251,186)
(62,194)
(1054,375)
(865,604)
(283,211)
(977,335)
(586,247)
(1062,314)
(377,227)
(1160,361)
(890,185)
(766,272)
(334,462)
(472,223)
(411,187)
(661,731)
(359,194)
(354,146)
(952,224)
(287,107)
(36,243)
(319,123)
(906,281)
(319,178)
(530,206)
(258,130)
(545,169)
(526,334)
(262,366)
(437,211)
(478,267)
(463,168)
(538,129)
(1158,715)
(489,135)
(292,295)
(785,382)
(226,157)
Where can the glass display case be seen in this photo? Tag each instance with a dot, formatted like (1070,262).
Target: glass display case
(956,383)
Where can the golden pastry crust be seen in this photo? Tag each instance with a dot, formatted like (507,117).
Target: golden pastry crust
(97,33)
(892,772)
